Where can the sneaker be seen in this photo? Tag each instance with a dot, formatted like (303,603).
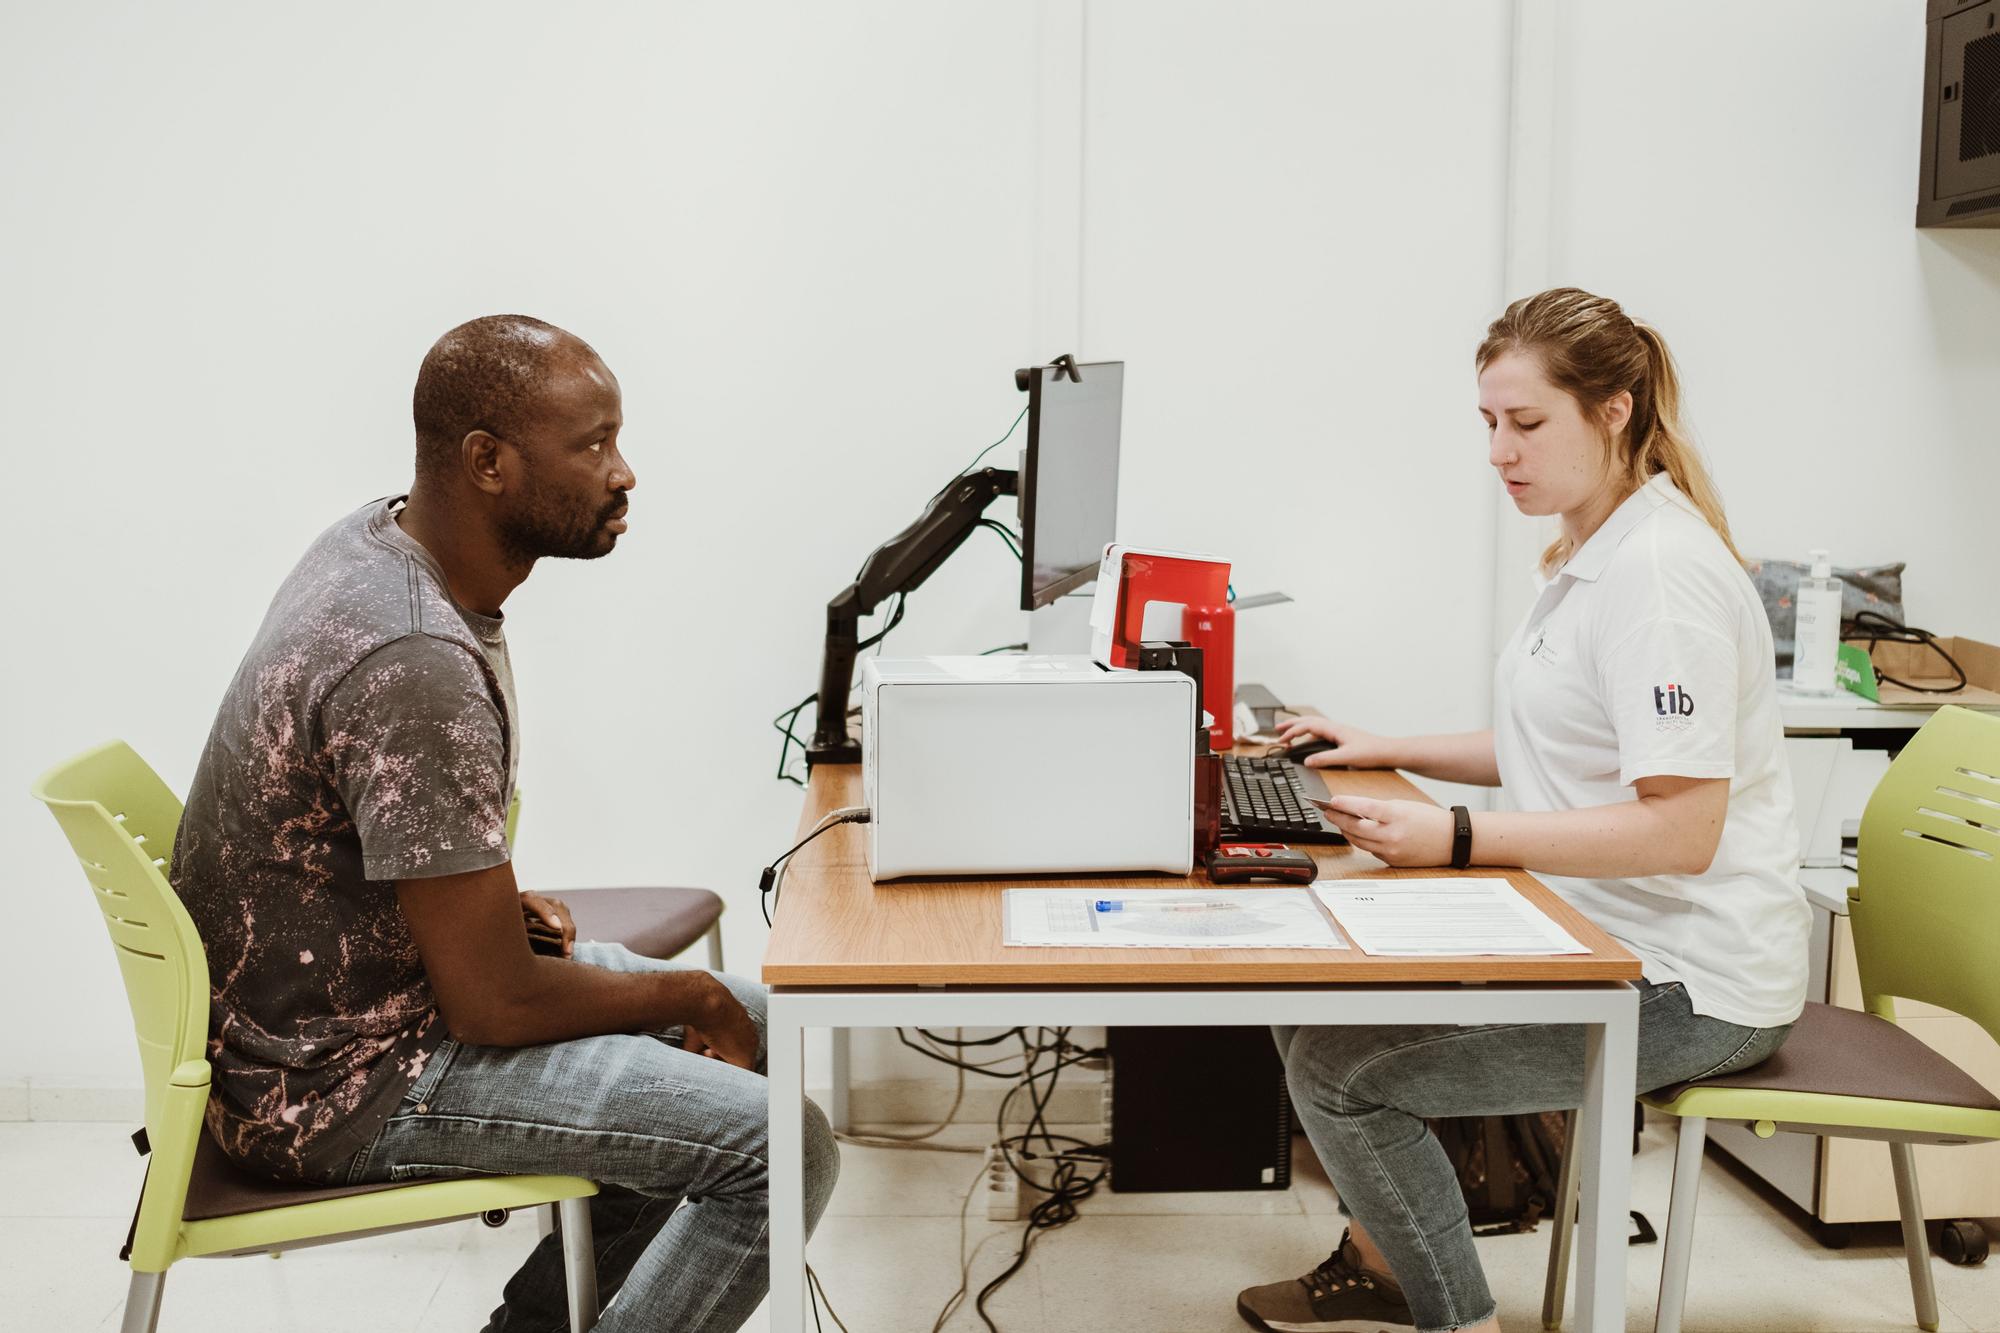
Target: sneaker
(1339,1296)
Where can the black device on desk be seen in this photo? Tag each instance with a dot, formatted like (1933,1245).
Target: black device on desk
(1266,799)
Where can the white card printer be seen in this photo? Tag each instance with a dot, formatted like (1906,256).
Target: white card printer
(1026,765)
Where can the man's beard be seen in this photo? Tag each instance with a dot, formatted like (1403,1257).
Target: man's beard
(542,530)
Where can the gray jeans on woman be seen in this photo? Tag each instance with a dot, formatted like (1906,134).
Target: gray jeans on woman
(676,1143)
(1362,1094)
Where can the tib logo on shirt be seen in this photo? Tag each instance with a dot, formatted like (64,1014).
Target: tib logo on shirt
(1674,707)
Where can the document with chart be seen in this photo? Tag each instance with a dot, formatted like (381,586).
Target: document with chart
(1168,919)
(1458,915)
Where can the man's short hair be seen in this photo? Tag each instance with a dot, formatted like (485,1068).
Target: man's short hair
(486,374)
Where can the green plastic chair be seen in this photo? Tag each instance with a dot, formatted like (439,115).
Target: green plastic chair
(1926,921)
(121,821)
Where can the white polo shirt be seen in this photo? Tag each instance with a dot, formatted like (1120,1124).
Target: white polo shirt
(1647,655)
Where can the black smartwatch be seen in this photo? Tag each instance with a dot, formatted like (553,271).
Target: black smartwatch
(1461,837)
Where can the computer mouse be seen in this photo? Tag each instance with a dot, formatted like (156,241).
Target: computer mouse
(1299,751)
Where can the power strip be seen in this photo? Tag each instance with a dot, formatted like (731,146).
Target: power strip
(1003,1188)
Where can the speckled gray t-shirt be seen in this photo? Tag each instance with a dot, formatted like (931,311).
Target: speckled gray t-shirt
(366,738)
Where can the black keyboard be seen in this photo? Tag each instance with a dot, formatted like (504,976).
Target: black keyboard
(1264,800)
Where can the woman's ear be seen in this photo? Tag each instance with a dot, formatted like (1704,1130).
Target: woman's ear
(1617,412)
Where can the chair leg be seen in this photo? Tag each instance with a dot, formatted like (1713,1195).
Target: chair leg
(545,1220)
(837,1111)
(579,1264)
(142,1303)
(1556,1288)
(715,946)
(1916,1247)
(1679,1244)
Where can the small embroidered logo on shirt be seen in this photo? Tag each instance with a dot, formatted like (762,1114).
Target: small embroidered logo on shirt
(1675,707)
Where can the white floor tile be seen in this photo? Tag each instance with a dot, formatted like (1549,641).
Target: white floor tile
(906,1182)
(61,1272)
(60,1168)
(472,1278)
(1167,1273)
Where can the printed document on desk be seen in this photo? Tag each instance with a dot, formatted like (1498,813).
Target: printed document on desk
(1457,915)
(1167,919)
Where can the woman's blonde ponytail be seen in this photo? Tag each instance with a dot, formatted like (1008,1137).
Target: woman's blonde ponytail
(1662,443)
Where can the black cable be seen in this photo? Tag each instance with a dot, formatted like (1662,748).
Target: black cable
(787,726)
(991,447)
(818,1291)
(1006,535)
(1067,1186)
(1010,1075)
(972,1041)
(1004,648)
(895,619)
(1878,628)
(771,871)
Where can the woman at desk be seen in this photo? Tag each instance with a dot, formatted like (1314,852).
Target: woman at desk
(1636,731)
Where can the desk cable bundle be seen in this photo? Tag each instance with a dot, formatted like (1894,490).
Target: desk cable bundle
(1067,1185)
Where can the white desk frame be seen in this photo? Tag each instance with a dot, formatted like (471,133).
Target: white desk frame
(1608,1009)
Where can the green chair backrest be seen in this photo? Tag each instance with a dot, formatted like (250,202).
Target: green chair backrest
(121,820)
(1926,910)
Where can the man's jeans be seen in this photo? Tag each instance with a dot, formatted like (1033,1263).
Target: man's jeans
(676,1143)
(1362,1094)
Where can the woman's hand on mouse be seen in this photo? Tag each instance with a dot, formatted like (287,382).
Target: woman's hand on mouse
(1354,747)
(1399,833)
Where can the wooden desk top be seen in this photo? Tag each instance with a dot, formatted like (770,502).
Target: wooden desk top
(836,927)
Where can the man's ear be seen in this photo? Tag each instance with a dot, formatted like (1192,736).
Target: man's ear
(481,455)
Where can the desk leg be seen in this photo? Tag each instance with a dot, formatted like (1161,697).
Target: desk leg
(837,1111)
(785,1061)
(1611,1052)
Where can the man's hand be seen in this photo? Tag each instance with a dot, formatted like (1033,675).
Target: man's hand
(556,913)
(468,929)
(725,1031)
(1400,833)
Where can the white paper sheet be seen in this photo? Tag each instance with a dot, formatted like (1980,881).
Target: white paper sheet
(1455,915)
(1283,918)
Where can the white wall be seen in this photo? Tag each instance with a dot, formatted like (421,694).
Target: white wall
(814,241)
(1744,177)
(801,235)
(1292,231)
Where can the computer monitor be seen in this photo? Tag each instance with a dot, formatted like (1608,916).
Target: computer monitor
(1069,477)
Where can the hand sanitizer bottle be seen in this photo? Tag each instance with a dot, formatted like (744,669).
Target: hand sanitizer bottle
(1817,639)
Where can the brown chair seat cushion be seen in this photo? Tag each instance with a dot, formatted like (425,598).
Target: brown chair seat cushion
(653,923)
(1848,1053)
(217,1187)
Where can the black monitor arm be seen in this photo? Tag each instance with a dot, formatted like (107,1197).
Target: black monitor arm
(898,565)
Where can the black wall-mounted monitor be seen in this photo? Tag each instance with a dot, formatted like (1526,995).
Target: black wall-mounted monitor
(1069,477)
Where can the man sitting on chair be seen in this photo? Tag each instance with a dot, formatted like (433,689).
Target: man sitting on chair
(376,1010)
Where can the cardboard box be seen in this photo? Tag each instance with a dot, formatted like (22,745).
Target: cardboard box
(1918,664)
